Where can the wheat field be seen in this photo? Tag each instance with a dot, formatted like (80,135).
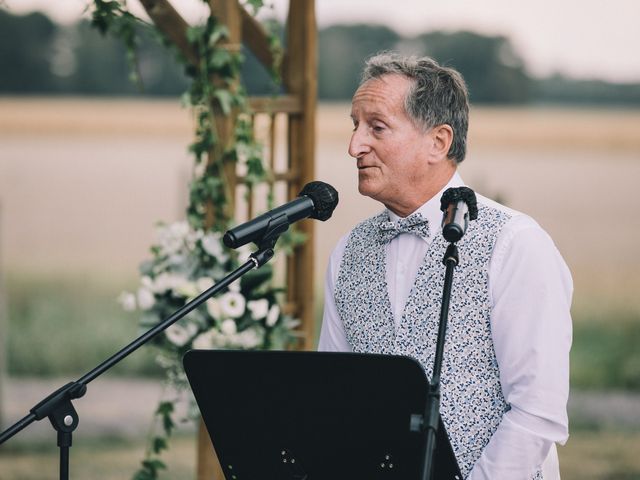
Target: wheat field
(83,181)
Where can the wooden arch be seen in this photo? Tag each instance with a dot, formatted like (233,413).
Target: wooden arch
(295,111)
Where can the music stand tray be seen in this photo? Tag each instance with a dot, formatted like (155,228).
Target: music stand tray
(315,415)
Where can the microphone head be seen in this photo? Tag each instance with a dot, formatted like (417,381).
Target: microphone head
(465,194)
(324,198)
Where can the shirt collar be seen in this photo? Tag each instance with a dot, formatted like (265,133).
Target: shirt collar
(431,209)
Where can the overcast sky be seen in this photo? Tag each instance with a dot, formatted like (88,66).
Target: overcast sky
(579,38)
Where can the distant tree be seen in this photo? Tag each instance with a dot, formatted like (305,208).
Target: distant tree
(342,52)
(26,47)
(493,70)
(560,89)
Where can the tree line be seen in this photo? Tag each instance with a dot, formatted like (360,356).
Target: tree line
(38,56)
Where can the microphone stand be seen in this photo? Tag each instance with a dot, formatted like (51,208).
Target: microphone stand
(432,411)
(58,407)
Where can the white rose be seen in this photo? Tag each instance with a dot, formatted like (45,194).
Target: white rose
(213,307)
(146,299)
(272,316)
(128,301)
(232,304)
(228,327)
(180,335)
(258,308)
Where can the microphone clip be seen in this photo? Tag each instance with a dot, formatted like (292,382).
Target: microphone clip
(276,227)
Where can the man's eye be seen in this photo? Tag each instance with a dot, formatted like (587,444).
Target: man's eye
(378,128)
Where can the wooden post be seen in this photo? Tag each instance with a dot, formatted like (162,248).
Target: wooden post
(300,78)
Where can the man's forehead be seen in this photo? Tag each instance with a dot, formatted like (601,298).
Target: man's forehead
(386,93)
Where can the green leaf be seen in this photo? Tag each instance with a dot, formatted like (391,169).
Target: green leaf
(225,99)
(159,444)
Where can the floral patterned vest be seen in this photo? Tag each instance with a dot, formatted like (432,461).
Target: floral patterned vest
(472,402)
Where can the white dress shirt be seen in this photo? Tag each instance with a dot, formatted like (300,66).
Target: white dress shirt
(530,288)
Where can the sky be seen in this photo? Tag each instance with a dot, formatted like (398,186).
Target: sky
(578,38)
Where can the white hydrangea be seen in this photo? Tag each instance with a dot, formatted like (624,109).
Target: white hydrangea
(171,238)
(167,281)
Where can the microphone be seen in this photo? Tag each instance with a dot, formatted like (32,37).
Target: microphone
(459,206)
(316,200)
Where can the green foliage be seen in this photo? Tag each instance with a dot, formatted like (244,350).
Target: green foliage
(605,353)
(493,70)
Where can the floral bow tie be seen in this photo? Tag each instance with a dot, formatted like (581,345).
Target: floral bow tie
(414,223)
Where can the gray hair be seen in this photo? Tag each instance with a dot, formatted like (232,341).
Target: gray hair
(438,95)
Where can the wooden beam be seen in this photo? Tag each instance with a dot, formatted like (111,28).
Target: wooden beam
(171,24)
(300,78)
(256,37)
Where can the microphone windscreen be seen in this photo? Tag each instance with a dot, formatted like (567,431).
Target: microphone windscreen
(324,198)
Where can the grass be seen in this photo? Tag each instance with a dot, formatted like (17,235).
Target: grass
(96,460)
(589,455)
(605,353)
(67,326)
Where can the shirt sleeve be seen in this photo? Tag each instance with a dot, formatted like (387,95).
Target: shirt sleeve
(531,290)
(332,334)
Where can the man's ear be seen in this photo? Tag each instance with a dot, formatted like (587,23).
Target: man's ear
(442,138)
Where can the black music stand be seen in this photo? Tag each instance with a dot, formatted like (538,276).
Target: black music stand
(315,416)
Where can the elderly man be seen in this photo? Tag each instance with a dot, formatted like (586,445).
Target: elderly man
(505,376)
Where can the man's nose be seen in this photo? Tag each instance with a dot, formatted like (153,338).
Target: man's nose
(358,146)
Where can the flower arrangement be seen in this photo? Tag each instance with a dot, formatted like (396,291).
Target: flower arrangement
(185,262)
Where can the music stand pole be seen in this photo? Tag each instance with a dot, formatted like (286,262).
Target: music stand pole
(432,412)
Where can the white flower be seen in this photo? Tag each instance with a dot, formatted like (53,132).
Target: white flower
(211,243)
(187,290)
(180,335)
(205,340)
(171,238)
(146,299)
(232,304)
(228,327)
(272,316)
(249,338)
(213,307)
(167,281)
(128,301)
(258,308)
(204,284)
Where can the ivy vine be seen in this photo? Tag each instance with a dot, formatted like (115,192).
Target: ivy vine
(215,90)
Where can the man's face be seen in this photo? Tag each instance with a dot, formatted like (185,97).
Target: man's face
(389,147)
